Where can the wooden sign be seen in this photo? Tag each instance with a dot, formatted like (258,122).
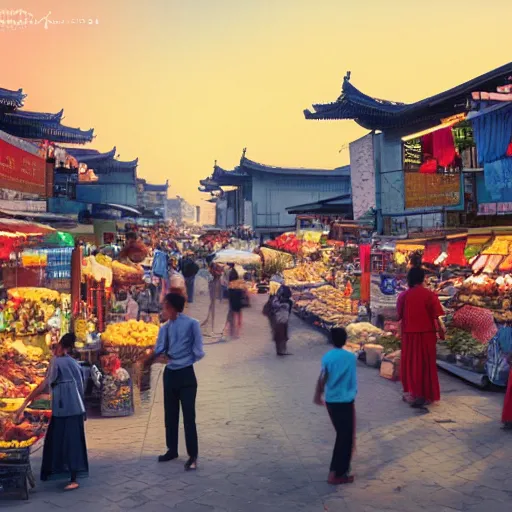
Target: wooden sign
(431,190)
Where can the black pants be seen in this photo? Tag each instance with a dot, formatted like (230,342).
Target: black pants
(343,419)
(180,386)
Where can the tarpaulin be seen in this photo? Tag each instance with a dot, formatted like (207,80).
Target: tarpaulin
(456,253)
(432,252)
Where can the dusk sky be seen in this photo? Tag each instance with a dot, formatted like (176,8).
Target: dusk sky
(180,84)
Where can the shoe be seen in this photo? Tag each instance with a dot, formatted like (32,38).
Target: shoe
(167,457)
(340,480)
(191,464)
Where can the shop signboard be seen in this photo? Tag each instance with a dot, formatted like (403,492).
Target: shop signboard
(21,171)
(385,287)
(431,190)
(504,208)
(487,209)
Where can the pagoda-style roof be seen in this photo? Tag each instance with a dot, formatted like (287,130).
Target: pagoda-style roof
(150,187)
(377,114)
(101,162)
(12,99)
(242,173)
(39,125)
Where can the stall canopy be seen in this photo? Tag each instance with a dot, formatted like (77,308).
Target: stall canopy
(338,205)
(239,257)
(61,221)
(59,239)
(25,228)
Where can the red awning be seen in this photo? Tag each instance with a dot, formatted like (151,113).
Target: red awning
(25,228)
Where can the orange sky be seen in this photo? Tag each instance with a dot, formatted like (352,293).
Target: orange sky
(180,83)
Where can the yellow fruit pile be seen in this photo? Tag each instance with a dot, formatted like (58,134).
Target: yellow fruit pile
(104,260)
(131,333)
(35,294)
(18,444)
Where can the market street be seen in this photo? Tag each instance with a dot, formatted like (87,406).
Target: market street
(265,446)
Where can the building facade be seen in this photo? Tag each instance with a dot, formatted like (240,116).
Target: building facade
(260,194)
(419,167)
(152,199)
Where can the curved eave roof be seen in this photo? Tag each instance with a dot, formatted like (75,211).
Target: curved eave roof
(373,113)
(90,156)
(149,187)
(249,166)
(12,98)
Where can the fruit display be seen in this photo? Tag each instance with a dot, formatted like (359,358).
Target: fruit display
(21,435)
(306,274)
(104,260)
(28,309)
(488,292)
(326,307)
(124,274)
(131,339)
(287,242)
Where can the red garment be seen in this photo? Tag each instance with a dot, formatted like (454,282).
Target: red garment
(418,366)
(509,149)
(418,308)
(506,416)
(428,166)
(456,254)
(440,145)
(431,253)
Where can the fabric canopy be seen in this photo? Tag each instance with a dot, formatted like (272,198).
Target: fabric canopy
(240,257)
(60,239)
(26,228)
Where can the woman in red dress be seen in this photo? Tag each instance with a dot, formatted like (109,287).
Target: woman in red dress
(506,416)
(419,310)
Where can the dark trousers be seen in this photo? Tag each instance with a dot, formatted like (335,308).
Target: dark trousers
(189,283)
(343,420)
(180,387)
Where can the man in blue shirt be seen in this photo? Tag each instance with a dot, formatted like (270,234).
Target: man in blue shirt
(338,384)
(181,343)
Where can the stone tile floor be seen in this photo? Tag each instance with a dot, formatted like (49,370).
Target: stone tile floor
(265,447)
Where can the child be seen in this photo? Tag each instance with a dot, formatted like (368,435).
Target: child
(338,383)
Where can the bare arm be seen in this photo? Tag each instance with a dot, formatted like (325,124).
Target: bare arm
(33,395)
(320,387)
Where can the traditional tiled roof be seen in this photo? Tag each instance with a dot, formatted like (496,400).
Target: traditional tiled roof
(101,162)
(248,166)
(149,187)
(38,125)
(12,98)
(341,204)
(376,114)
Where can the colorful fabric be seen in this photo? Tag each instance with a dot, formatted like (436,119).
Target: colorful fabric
(500,246)
(471,251)
(431,253)
(456,253)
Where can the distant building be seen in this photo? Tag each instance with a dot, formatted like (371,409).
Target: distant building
(152,199)
(260,194)
(180,211)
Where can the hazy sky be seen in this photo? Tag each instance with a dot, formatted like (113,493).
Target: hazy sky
(181,83)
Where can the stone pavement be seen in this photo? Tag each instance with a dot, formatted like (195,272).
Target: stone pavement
(265,447)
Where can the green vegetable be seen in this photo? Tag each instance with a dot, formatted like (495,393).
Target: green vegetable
(462,343)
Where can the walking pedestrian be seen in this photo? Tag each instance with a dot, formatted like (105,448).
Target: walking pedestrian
(337,389)
(506,416)
(189,269)
(180,343)
(65,450)
(237,297)
(280,310)
(419,310)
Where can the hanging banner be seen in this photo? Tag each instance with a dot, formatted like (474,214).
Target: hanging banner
(487,209)
(504,208)
(21,171)
(431,190)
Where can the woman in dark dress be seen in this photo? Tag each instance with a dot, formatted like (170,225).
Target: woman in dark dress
(65,451)
(280,309)
(236,294)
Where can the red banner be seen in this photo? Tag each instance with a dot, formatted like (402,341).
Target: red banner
(21,171)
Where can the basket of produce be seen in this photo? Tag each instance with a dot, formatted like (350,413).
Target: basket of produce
(131,340)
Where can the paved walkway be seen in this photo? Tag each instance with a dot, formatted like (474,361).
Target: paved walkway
(265,447)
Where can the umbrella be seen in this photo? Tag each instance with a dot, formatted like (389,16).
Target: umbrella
(238,257)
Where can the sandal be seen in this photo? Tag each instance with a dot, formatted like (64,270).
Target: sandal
(191,464)
(72,486)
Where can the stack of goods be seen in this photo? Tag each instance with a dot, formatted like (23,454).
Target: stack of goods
(28,309)
(84,332)
(116,389)
(287,242)
(22,368)
(326,307)
(126,274)
(215,241)
(131,340)
(486,292)
(306,275)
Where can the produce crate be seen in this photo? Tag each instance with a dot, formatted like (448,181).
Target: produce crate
(16,472)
